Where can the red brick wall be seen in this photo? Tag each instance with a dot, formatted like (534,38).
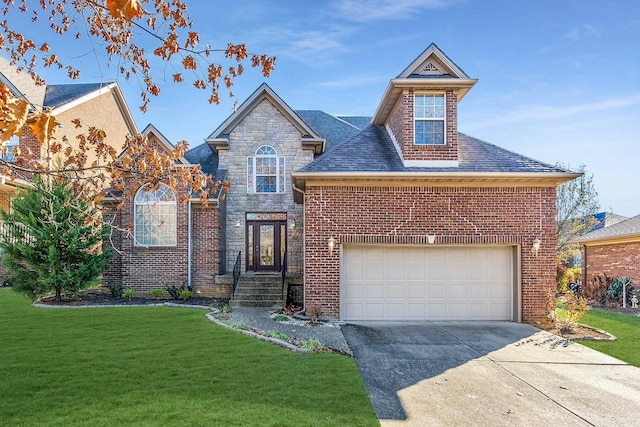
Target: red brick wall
(6,194)
(401,123)
(405,215)
(146,268)
(620,259)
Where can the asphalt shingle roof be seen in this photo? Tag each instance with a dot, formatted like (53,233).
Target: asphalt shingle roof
(628,227)
(332,128)
(372,151)
(360,122)
(205,157)
(57,95)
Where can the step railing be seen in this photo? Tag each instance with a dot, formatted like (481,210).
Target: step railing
(236,274)
(283,268)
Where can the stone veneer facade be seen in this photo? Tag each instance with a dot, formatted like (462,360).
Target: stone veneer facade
(264,125)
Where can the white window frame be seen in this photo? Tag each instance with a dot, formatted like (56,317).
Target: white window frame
(417,118)
(8,148)
(253,175)
(160,209)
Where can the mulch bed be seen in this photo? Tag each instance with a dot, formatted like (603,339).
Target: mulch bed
(98,297)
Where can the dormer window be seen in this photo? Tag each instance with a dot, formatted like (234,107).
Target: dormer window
(429,118)
(266,171)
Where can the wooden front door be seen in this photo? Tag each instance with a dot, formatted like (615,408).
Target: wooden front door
(266,243)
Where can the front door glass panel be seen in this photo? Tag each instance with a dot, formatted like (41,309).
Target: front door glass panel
(267,243)
(250,261)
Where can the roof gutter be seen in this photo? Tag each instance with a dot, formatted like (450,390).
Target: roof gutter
(456,177)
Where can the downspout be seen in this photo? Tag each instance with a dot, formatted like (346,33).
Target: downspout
(584,266)
(189,243)
(304,245)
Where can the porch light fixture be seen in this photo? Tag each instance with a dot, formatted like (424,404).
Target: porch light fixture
(535,246)
(292,225)
(237,223)
(431,238)
(331,243)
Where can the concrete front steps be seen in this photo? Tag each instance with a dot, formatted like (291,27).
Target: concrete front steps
(259,290)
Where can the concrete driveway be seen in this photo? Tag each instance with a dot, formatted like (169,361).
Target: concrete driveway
(489,374)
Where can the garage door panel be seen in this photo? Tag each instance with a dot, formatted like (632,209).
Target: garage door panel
(375,292)
(356,310)
(499,273)
(395,311)
(457,311)
(396,291)
(478,273)
(500,293)
(457,291)
(375,255)
(478,292)
(374,273)
(414,273)
(426,283)
(478,311)
(437,291)
(353,273)
(374,311)
(417,311)
(393,272)
(437,311)
(457,272)
(354,292)
(416,292)
(436,272)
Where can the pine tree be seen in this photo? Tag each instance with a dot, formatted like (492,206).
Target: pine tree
(51,241)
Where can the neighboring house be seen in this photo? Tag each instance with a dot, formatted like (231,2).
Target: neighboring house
(606,219)
(612,251)
(602,220)
(99,105)
(397,217)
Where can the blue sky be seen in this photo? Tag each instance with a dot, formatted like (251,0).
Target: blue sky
(559,80)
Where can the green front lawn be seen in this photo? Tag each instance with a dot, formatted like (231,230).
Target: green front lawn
(625,327)
(162,366)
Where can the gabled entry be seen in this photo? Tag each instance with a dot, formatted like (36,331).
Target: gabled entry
(266,241)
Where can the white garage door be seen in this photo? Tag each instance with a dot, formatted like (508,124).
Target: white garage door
(426,283)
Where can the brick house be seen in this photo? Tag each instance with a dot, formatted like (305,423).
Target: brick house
(394,217)
(612,251)
(95,104)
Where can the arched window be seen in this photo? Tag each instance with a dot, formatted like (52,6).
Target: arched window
(156,217)
(266,171)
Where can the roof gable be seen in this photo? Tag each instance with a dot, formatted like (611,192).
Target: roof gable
(56,96)
(219,139)
(432,70)
(433,63)
(153,134)
(65,97)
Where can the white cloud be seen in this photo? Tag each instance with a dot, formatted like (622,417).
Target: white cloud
(303,44)
(582,32)
(373,10)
